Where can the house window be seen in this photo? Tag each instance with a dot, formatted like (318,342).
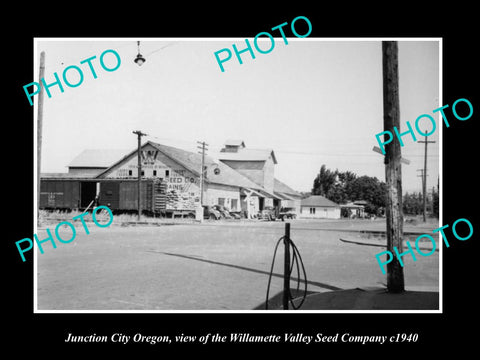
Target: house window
(221,201)
(129,172)
(312,211)
(234,204)
(154,172)
(143,173)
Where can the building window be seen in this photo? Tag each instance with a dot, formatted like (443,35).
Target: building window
(221,201)
(129,172)
(143,173)
(167,173)
(312,211)
(154,172)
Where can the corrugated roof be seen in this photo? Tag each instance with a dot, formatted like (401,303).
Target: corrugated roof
(192,161)
(282,188)
(318,200)
(97,158)
(284,196)
(66,176)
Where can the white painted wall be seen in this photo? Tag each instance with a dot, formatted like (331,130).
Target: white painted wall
(320,212)
(214,192)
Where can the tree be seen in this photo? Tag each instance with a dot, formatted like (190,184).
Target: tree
(338,192)
(346,177)
(412,203)
(435,203)
(369,189)
(324,181)
(342,187)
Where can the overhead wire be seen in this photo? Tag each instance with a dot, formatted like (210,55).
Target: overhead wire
(280,151)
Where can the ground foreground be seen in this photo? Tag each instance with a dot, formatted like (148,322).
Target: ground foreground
(225,266)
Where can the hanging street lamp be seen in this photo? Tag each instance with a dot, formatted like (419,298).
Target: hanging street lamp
(139,60)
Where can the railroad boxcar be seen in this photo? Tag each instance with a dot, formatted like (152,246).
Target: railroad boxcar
(120,195)
(63,194)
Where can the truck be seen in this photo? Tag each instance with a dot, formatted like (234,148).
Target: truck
(287,213)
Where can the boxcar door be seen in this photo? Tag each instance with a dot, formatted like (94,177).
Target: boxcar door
(109,194)
(88,190)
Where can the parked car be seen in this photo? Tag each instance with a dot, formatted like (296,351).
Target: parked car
(209,212)
(287,213)
(223,211)
(268,213)
(236,214)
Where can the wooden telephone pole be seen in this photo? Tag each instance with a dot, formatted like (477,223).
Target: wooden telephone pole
(424,184)
(39,127)
(393,167)
(139,176)
(203,148)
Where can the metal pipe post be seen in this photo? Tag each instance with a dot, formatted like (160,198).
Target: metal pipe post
(286,270)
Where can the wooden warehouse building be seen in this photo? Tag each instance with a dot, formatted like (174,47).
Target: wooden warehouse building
(241,180)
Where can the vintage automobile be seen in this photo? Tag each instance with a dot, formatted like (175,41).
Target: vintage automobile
(286,213)
(236,214)
(268,213)
(223,211)
(209,212)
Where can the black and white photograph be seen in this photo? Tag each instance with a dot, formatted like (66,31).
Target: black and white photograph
(286,155)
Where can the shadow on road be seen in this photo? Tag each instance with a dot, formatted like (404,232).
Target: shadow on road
(190,257)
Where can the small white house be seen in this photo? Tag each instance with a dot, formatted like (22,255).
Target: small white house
(319,207)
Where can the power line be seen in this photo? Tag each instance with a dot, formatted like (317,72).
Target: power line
(192,143)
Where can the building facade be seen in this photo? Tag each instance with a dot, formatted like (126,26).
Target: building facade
(319,207)
(258,165)
(170,180)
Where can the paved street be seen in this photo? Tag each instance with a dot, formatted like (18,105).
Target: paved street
(210,266)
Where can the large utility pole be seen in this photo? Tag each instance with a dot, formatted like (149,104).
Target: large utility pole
(139,175)
(39,127)
(203,148)
(393,167)
(424,185)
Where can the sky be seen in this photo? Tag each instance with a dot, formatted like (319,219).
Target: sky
(313,101)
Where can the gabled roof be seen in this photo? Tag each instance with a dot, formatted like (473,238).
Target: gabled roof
(281,188)
(318,200)
(192,162)
(97,158)
(226,176)
(248,155)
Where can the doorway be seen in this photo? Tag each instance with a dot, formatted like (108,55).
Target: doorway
(261,203)
(88,191)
